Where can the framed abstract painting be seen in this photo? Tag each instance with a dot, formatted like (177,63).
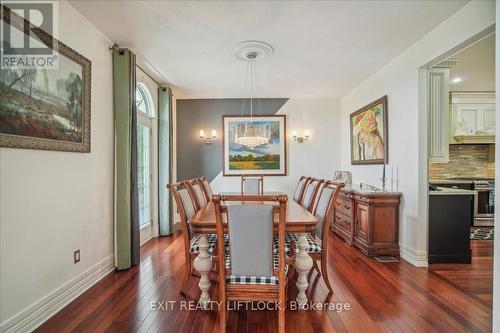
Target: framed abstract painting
(369,139)
(44,108)
(254,145)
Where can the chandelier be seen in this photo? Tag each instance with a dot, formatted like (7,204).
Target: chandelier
(251,135)
(254,132)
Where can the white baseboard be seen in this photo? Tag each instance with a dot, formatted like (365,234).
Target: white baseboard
(416,258)
(147,240)
(36,314)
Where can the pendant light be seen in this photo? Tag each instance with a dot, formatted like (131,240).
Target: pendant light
(254,132)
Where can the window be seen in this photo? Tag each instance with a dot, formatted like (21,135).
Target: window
(145,111)
(142,100)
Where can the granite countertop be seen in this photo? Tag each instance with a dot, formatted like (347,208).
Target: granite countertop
(451,191)
(357,189)
(458,181)
(451,181)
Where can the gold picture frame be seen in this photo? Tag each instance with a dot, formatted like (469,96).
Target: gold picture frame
(369,134)
(41,125)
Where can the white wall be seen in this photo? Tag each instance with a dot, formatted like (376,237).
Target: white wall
(318,157)
(476,67)
(52,203)
(400,81)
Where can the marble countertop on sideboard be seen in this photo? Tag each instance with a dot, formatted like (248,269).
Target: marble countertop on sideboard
(357,189)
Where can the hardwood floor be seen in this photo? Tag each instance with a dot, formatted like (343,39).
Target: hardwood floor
(383,297)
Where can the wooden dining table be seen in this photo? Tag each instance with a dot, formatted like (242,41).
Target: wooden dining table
(298,220)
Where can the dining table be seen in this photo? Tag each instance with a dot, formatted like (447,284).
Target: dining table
(298,220)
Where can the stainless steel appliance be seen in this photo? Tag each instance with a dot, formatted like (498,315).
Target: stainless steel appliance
(484,203)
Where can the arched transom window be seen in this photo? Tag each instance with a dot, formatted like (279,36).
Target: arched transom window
(144,101)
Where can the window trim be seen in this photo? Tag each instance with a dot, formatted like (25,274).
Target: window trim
(146,120)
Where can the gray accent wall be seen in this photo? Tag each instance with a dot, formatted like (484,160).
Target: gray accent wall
(194,157)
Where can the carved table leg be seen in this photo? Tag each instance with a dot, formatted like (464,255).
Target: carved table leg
(303,264)
(203,264)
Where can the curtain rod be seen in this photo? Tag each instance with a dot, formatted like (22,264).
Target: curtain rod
(159,85)
(115,47)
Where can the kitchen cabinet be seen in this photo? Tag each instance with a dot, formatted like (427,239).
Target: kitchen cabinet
(473,117)
(368,220)
(450,217)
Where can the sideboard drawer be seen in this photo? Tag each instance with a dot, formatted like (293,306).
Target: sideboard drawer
(343,205)
(343,221)
(342,226)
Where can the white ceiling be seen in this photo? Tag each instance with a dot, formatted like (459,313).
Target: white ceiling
(476,67)
(322,48)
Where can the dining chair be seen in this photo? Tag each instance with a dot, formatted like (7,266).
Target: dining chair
(300,189)
(186,209)
(207,189)
(196,192)
(254,271)
(317,244)
(310,193)
(252,185)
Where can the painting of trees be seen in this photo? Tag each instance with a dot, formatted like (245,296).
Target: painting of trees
(268,157)
(45,107)
(73,86)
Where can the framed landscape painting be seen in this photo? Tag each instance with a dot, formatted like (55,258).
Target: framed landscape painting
(369,144)
(45,108)
(255,145)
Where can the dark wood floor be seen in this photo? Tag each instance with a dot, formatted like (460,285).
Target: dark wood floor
(385,297)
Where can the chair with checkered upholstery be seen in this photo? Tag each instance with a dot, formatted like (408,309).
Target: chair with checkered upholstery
(324,210)
(254,271)
(300,189)
(310,193)
(186,208)
(195,190)
(252,185)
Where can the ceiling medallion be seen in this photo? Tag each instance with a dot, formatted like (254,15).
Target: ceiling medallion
(254,48)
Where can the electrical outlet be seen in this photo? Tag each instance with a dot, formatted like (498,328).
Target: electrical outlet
(76,256)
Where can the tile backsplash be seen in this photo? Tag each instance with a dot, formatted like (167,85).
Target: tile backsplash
(469,161)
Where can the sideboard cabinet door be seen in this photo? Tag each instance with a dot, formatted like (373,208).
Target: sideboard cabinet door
(361,228)
(377,224)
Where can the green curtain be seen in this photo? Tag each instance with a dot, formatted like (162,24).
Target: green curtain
(126,192)
(164,159)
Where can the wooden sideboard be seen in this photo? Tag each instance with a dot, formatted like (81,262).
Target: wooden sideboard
(368,220)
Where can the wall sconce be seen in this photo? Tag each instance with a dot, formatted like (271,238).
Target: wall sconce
(208,139)
(301,138)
